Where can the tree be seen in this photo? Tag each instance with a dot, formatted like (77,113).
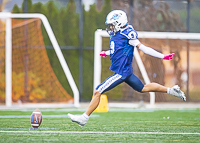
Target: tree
(29,6)
(70,25)
(103,13)
(89,26)
(55,21)
(16,9)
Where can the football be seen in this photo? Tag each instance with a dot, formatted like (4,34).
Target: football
(36,118)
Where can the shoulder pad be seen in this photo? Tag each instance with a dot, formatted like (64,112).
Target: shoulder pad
(130,33)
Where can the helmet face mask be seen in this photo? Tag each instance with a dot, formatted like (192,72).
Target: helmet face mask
(110,29)
(115,21)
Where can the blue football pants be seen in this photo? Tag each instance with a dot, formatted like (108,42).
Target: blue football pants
(117,79)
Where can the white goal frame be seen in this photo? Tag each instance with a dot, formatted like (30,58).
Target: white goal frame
(99,34)
(7,17)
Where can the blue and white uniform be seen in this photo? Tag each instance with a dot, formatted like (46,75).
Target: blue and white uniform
(121,56)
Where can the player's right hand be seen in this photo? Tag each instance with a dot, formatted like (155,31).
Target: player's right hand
(103,54)
(169,56)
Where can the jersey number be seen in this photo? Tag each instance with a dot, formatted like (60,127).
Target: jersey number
(112,47)
(132,36)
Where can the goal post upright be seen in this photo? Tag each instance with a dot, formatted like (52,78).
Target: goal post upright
(144,74)
(97,59)
(8,60)
(54,42)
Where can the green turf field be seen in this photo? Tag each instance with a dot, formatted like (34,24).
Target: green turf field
(127,125)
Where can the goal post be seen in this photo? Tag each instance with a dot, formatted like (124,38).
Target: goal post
(7,17)
(99,34)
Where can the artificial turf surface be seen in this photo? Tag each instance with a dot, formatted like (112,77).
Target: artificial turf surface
(126,125)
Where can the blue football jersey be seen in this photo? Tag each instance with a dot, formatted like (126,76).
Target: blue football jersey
(121,53)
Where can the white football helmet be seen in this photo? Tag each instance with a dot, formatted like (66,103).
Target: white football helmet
(116,18)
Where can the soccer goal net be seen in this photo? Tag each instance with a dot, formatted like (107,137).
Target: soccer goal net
(26,75)
(150,69)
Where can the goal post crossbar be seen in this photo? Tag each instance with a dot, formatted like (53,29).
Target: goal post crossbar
(99,34)
(54,42)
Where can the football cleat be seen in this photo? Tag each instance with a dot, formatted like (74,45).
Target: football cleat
(175,90)
(79,119)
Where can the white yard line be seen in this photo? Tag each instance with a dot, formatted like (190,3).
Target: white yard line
(92,132)
(44,116)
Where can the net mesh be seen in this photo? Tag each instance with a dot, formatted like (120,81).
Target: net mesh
(33,79)
(167,73)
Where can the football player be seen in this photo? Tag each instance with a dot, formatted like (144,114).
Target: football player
(123,39)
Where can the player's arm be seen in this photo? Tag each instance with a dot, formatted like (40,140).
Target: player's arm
(105,53)
(150,51)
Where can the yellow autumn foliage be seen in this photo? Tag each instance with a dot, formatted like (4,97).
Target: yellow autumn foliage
(33,88)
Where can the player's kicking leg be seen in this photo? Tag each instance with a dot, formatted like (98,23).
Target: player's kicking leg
(137,85)
(175,90)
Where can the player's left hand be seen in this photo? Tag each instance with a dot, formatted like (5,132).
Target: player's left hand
(169,56)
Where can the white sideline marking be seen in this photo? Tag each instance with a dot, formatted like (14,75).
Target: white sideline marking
(91,132)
